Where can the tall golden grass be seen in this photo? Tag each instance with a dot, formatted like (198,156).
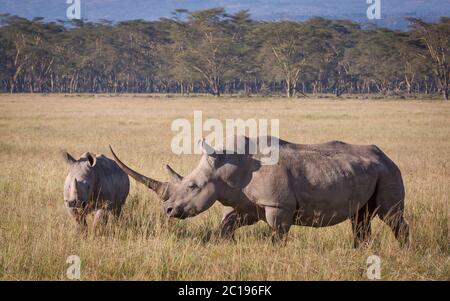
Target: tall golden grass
(37,234)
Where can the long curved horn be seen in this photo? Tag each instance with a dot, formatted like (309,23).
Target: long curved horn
(156,186)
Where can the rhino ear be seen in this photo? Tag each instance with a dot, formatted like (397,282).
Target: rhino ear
(213,157)
(68,158)
(92,159)
(206,148)
(174,176)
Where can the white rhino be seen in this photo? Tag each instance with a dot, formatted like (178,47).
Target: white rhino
(94,184)
(315,185)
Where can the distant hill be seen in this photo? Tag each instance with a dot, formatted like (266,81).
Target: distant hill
(393,11)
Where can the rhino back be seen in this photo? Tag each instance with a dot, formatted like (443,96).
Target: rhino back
(330,177)
(333,166)
(113,184)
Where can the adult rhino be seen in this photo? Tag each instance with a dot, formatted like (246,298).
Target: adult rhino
(96,184)
(313,185)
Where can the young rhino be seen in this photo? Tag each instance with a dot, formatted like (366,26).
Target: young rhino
(94,184)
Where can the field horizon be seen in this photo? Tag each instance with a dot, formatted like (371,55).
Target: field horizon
(37,235)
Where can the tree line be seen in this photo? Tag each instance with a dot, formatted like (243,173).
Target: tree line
(211,51)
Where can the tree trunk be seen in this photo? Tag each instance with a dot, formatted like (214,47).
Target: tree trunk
(216,87)
(290,89)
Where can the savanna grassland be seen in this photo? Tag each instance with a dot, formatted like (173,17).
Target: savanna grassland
(37,235)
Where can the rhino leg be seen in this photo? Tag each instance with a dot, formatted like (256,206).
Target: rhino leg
(280,220)
(396,221)
(80,220)
(233,219)
(391,212)
(361,223)
(100,219)
(117,211)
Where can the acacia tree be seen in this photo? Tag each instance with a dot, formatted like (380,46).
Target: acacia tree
(211,51)
(332,38)
(437,39)
(412,60)
(16,49)
(210,47)
(285,51)
(139,56)
(375,61)
(245,50)
(173,54)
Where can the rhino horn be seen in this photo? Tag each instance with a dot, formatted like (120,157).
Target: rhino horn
(174,176)
(156,186)
(75,186)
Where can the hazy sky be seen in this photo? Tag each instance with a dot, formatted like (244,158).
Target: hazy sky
(117,10)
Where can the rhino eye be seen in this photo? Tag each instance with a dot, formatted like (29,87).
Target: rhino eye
(192,185)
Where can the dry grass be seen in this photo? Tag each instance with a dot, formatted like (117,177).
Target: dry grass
(37,235)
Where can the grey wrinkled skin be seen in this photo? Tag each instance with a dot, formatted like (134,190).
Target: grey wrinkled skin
(95,184)
(315,185)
